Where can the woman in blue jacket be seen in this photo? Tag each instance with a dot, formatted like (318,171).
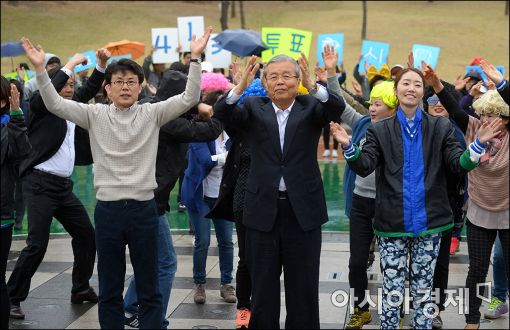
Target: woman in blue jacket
(411,153)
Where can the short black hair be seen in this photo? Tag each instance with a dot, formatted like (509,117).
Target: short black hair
(178,66)
(123,65)
(54,71)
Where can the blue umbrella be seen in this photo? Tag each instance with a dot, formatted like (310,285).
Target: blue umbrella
(241,42)
(12,48)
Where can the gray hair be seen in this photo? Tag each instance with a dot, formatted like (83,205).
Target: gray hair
(283,58)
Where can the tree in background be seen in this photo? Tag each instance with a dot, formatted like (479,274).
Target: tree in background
(224,15)
(364,24)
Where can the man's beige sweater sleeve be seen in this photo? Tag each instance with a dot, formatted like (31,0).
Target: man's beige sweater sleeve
(179,104)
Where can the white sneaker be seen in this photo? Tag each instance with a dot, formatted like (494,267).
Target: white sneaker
(335,154)
(326,153)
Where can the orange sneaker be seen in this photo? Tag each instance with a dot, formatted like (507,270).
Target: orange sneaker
(454,245)
(243,318)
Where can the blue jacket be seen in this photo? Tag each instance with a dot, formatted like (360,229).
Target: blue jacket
(199,167)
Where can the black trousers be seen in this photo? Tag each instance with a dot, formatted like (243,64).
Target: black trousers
(325,138)
(5,246)
(243,280)
(361,235)
(442,268)
(480,241)
(298,252)
(49,196)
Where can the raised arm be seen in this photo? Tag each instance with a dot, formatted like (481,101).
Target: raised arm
(93,85)
(361,162)
(497,78)
(179,104)
(330,58)
(66,109)
(458,115)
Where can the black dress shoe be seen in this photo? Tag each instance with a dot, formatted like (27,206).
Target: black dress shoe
(81,297)
(16,313)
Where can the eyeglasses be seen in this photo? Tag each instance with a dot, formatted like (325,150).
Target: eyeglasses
(285,77)
(433,100)
(120,83)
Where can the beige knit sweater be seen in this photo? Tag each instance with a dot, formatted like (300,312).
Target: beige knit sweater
(488,184)
(124,143)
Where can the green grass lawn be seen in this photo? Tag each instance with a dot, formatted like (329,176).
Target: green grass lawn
(462,30)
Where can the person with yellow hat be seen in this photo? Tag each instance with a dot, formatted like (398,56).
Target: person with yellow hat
(359,192)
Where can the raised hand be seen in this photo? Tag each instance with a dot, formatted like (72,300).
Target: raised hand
(102,56)
(431,78)
(491,72)
(75,60)
(197,45)
(235,73)
(14,98)
(306,80)
(321,74)
(339,134)
(475,89)
(248,75)
(35,54)
(488,131)
(460,83)
(410,60)
(330,57)
(357,87)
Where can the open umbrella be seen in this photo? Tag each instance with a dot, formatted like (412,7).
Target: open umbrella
(12,48)
(241,42)
(123,47)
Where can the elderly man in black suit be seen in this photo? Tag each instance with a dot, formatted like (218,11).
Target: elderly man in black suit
(284,203)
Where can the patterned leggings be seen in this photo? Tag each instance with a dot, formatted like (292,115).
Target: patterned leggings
(423,252)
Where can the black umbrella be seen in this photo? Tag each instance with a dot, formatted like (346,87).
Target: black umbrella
(12,48)
(241,42)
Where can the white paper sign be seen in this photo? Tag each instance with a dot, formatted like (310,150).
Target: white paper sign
(165,42)
(219,57)
(189,26)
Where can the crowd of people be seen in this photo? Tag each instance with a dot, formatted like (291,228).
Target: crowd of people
(423,158)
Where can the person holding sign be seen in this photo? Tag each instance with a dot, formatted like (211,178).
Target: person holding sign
(284,201)
(411,153)
(124,141)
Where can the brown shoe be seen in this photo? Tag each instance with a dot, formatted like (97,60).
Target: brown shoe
(228,292)
(199,296)
(81,297)
(16,313)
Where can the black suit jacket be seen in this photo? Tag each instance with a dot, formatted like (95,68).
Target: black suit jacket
(297,163)
(47,131)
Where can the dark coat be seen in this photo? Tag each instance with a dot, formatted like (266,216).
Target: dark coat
(14,147)
(383,152)
(297,164)
(47,131)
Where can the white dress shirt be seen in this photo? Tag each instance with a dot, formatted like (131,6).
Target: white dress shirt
(62,162)
(282,116)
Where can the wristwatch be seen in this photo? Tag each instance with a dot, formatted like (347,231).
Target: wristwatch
(196,60)
(313,90)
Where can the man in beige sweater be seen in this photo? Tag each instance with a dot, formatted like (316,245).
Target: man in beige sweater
(124,141)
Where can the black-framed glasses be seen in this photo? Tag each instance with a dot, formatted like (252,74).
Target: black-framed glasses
(120,83)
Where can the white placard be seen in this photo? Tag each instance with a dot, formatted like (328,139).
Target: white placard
(165,42)
(219,57)
(189,26)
